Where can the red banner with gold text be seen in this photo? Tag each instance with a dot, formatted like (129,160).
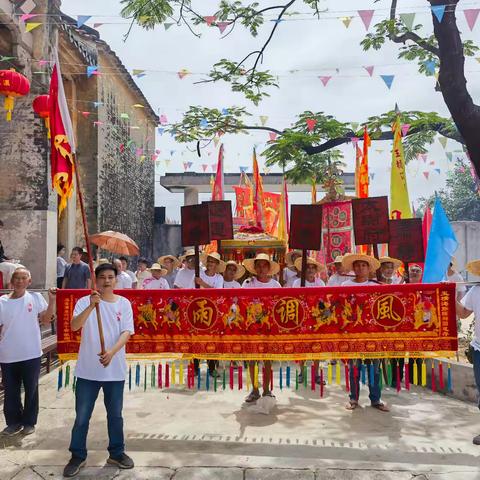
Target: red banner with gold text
(284,324)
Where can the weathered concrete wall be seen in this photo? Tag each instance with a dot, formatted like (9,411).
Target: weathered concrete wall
(468,236)
(167,240)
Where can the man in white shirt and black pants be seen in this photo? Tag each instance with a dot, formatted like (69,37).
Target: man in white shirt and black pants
(95,371)
(21,350)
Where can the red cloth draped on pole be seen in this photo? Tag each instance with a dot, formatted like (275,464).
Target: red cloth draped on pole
(62,141)
(258,199)
(218,190)
(363,174)
(243,200)
(283,222)
(272,210)
(283,324)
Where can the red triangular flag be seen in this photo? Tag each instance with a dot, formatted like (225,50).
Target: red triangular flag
(471,15)
(366,16)
(311,122)
(325,79)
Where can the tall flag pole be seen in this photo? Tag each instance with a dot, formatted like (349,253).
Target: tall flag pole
(283,228)
(218,184)
(63,161)
(358,162)
(399,199)
(258,201)
(314,189)
(363,175)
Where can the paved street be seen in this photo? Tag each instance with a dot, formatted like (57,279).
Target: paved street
(189,435)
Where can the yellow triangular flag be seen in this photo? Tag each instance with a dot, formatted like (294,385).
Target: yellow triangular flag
(263,119)
(346,21)
(31,25)
(478,59)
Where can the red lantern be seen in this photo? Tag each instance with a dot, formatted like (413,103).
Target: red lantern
(41,106)
(12,84)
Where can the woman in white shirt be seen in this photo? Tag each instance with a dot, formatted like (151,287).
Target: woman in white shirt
(233,272)
(185,277)
(157,280)
(263,269)
(214,266)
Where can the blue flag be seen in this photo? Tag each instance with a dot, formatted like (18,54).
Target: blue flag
(442,244)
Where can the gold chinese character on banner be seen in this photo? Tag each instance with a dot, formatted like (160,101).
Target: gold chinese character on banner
(202,314)
(388,311)
(288,313)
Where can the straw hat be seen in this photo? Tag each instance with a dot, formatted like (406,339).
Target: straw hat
(249,264)
(176,261)
(348,260)
(156,266)
(310,261)
(240,269)
(288,257)
(102,261)
(396,262)
(474,267)
(338,259)
(189,253)
(216,256)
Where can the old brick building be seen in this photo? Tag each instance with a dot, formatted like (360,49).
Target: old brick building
(114,127)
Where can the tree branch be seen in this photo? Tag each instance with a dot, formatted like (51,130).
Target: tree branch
(409,35)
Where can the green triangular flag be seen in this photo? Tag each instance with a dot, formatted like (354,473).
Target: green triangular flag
(167,25)
(449,156)
(355,126)
(443,141)
(408,19)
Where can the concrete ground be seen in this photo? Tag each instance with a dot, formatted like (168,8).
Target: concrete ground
(189,435)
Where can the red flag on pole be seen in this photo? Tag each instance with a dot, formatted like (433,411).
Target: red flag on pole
(217,190)
(258,200)
(363,179)
(62,141)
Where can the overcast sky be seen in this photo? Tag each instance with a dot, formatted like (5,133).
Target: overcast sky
(308,46)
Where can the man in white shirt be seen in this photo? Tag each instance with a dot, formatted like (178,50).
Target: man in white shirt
(455,277)
(340,274)
(363,266)
(186,276)
(233,272)
(171,264)
(290,274)
(123,279)
(133,278)
(388,271)
(214,266)
(157,280)
(21,350)
(312,279)
(469,304)
(263,269)
(106,371)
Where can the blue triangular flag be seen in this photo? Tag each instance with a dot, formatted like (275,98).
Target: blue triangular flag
(437,170)
(97,104)
(81,19)
(91,69)
(438,11)
(449,156)
(172,152)
(225,111)
(430,66)
(442,244)
(388,79)
(243,169)
(161,130)
(204,123)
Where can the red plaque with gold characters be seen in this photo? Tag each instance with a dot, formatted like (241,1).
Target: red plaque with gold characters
(370,220)
(406,240)
(305,227)
(195,225)
(220,218)
(375,321)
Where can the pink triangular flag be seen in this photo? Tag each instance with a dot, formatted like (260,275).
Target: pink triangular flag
(369,69)
(471,15)
(96,25)
(272,136)
(85,114)
(355,141)
(366,16)
(42,63)
(185,165)
(426,174)
(311,122)
(222,26)
(163,119)
(424,156)
(213,166)
(325,79)
(204,167)
(182,73)
(154,157)
(121,147)
(432,162)
(209,19)
(405,127)
(28,16)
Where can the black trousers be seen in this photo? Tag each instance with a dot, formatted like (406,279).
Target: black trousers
(15,375)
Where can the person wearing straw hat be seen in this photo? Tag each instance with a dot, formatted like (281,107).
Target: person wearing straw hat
(363,267)
(339,276)
(312,279)
(171,264)
(388,269)
(262,269)
(211,277)
(291,273)
(469,304)
(312,273)
(186,276)
(415,273)
(233,272)
(157,280)
(455,277)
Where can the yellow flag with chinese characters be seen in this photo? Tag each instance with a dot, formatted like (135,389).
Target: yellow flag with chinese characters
(399,201)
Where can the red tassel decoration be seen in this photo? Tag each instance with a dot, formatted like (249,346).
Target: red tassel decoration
(167,375)
(321,381)
(434,387)
(189,375)
(240,377)
(440,376)
(271,379)
(263,378)
(397,368)
(231,377)
(312,376)
(407,374)
(160,379)
(347,378)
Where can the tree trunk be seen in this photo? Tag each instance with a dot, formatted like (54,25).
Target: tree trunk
(465,113)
